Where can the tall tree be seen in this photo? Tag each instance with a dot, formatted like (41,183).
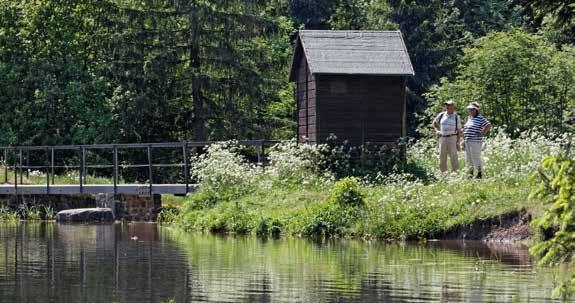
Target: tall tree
(554,18)
(50,92)
(211,66)
(522,81)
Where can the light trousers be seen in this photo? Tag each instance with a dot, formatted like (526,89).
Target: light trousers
(473,154)
(448,147)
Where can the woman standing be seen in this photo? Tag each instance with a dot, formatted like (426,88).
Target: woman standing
(474,130)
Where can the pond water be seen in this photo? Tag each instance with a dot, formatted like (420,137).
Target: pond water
(48,262)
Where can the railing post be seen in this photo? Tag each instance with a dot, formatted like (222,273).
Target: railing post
(150,175)
(259,151)
(186,166)
(82,168)
(263,152)
(28,164)
(115,170)
(5,166)
(21,174)
(52,165)
(15,171)
(47,171)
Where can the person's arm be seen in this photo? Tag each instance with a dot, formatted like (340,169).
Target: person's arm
(486,128)
(459,128)
(435,125)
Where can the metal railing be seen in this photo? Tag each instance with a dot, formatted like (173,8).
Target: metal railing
(19,168)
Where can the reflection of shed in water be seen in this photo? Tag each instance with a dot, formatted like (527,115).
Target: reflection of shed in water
(351,84)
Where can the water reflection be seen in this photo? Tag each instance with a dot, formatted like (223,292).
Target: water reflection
(144,263)
(506,253)
(87,263)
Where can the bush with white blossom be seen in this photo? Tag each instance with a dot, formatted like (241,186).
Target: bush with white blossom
(222,170)
(291,161)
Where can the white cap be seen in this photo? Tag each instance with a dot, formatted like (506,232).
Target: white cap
(473,105)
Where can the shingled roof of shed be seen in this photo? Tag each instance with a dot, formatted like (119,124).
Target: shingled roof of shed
(352,52)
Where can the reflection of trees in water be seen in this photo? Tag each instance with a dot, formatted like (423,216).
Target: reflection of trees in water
(101,263)
(89,263)
(335,271)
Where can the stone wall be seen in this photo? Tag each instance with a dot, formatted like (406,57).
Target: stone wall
(127,207)
(56,202)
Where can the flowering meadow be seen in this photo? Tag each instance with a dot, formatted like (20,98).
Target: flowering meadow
(298,193)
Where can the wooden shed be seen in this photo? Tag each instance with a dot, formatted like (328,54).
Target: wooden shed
(351,84)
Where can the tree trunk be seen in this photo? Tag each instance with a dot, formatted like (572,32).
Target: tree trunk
(195,65)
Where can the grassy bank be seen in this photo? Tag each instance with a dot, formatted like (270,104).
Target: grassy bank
(298,194)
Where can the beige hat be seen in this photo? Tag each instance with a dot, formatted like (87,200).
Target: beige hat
(473,105)
(450,102)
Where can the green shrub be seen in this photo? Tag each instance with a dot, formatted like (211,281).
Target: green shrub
(168,215)
(368,161)
(347,192)
(267,226)
(8,215)
(512,70)
(223,172)
(32,214)
(324,220)
(240,222)
(225,218)
(557,191)
(291,162)
(49,213)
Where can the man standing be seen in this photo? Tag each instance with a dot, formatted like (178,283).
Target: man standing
(447,126)
(474,130)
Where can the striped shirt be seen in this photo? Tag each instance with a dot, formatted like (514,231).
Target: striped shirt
(472,130)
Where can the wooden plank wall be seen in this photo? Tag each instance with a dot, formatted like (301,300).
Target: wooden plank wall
(306,103)
(361,109)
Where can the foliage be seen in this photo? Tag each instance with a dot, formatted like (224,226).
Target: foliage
(267,226)
(136,71)
(368,161)
(168,215)
(290,161)
(49,213)
(346,192)
(142,71)
(324,220)
(556,18)
(557,191)
(8,215)
(222,171)
(31,213)
(520,80)
(397,206)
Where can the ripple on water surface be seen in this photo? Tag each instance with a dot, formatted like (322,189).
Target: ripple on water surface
(146,263)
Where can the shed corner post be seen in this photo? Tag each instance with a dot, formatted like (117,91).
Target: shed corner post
(404,123)
(404,114)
